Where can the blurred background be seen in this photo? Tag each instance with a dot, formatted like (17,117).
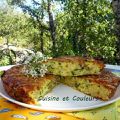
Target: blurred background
(59,27)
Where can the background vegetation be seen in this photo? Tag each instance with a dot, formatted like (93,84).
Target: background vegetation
(57,28)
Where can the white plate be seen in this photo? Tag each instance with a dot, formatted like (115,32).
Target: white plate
(80,102)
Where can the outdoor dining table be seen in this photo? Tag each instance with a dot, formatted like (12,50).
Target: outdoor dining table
(12,111)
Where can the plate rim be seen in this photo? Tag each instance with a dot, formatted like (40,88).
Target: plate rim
(55,109)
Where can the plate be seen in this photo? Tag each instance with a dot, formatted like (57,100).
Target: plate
(65,99)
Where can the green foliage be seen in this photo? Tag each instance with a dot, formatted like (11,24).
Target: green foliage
(82,27)
(87,28)
(7,57)
(15,28)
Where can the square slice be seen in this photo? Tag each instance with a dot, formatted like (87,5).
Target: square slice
(102,86)
(74,66)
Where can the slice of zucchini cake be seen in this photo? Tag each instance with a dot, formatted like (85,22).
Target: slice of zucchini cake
(102,86)
(26,88)
(74,66)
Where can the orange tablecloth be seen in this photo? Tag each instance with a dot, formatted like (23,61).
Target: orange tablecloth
(10,111)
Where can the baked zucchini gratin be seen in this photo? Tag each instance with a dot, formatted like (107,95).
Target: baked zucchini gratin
(74,66)
(26,88)
(82,74)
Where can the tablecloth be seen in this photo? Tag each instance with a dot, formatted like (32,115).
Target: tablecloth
(11,111)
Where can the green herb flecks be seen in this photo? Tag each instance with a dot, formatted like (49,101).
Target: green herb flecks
(1,73)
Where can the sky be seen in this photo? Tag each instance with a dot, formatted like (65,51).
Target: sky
(29,2)
(3,3)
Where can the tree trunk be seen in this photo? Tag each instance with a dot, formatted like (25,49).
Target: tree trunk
(75,42)
(42,29)
(41,41)
(52,28)
(41,33)
(37,20)
(82,41)
(116,9)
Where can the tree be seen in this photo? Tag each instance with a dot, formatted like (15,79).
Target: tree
(89,28)
(52,28)
(80,27)
(38,12)
(116,9)
(14,28)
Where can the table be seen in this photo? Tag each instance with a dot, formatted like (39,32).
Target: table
(11,111)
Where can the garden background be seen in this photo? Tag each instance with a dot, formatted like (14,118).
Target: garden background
(59,27)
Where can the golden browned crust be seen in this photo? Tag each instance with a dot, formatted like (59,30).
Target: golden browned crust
(108,80)
(105,78)
(18,85)
(79,60)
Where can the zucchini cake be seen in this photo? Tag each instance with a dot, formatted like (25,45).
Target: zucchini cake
(26,88)
(83,74)
(102,86)
(74,66)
